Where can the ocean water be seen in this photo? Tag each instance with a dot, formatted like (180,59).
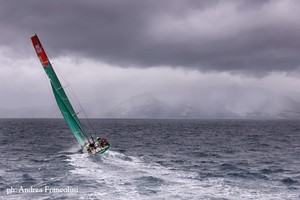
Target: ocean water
(152,159)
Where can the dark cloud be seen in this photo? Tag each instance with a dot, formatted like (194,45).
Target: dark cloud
(254,37)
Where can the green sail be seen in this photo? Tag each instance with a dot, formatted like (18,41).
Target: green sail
(60,95)
(65,106)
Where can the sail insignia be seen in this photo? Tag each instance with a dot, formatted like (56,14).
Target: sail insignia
(40,51)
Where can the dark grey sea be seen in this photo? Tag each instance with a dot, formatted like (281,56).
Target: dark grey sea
(152,159)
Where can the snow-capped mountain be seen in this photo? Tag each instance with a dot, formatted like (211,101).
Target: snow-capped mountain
(250,104)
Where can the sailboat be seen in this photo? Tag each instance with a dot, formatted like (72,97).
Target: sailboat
(87,142)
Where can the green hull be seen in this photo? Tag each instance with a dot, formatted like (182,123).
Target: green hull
(98,150)
(103,149)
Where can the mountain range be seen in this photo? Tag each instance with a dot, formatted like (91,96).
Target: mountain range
(238,104)
(234,103)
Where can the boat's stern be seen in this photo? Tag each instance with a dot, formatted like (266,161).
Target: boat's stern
(100,146)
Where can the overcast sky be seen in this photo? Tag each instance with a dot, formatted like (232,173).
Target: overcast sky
(112,50)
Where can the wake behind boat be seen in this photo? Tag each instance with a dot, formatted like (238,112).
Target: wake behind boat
(85,141)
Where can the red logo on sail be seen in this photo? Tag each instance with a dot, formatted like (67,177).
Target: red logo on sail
(40,51)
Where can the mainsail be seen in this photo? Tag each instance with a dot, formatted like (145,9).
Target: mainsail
(61,98)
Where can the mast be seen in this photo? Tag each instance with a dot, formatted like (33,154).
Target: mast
(59,94)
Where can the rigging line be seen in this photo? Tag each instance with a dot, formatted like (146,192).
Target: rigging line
(73,93)
(83,111)
(78,125)
(54,100)
(57,96)
(74,96)
(81,108)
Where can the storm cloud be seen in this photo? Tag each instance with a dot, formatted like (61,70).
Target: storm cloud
(249,37)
